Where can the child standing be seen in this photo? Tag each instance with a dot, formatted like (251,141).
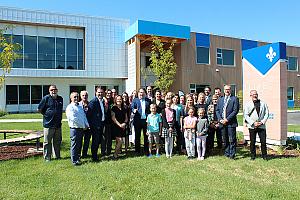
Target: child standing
(168,130)
(189,133)
(202,128)
(153,129)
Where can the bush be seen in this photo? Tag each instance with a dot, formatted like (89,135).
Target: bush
(2,113)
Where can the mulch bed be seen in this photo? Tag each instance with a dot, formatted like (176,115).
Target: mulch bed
(16,152)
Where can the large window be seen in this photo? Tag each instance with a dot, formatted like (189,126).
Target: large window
(292,64)
(197,88)
(24,94)
(225,57)
(11,94)
(290,93)
(36,94)
(77,88)
(60,53)
(18,39)
(30,51)
(46,54)
(40,52)
(202,55)
(71,54)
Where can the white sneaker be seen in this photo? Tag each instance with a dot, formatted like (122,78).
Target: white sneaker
(201,158)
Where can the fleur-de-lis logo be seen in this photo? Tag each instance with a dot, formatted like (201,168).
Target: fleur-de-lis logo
(271,54)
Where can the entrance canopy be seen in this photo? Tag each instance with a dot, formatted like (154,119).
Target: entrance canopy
(141,27)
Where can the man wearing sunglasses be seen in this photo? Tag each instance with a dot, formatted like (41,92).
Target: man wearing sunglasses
(51,107)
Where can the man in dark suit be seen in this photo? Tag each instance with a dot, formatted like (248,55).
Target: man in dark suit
(208,97)
(227,109)
(140,107)
(96,119)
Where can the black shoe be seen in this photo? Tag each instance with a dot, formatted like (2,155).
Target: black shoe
(265,158)
(252,158)
(77,163)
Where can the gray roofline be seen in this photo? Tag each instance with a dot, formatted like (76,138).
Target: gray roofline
(61,13)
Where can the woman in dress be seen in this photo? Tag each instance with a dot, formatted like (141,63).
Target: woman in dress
(127,108)
(120,119)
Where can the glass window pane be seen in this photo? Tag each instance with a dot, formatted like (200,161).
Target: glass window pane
(30,51)
(80,54)
(228,57)
(71,53)
(36,94)
(292,63)
(24,94)
(45,89)
(219,50)
(46,53)
(202,55)
(60,53)
(18,63)
(77,88)
(219,61)
(11,94)
(290,93)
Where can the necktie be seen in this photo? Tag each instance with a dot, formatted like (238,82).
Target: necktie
(225,105)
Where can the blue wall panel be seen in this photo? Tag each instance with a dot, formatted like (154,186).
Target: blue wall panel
(202,40)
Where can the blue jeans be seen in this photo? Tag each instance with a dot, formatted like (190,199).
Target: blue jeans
(229,139)
(76,135)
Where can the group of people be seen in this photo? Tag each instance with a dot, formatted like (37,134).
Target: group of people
(188,122)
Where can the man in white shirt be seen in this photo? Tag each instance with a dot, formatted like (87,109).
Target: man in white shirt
(78,123)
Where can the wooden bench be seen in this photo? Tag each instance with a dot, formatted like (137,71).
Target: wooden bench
(31,135)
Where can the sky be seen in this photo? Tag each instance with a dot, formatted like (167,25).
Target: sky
(262,20)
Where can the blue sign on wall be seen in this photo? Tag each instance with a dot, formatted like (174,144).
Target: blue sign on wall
(264,58)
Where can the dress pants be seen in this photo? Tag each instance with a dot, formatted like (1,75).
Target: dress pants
(76,141)
(139,126)
(97,134)
(86,142)
(106,141)
(229,139)
(211,138)
(262,137)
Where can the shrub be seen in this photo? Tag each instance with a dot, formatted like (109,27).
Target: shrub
(2,113)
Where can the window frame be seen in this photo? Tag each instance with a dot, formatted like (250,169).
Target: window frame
(219,55)
(209,61)
(293,93)
(297,63)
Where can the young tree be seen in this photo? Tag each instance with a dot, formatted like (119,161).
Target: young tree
(162,64)
(7,53)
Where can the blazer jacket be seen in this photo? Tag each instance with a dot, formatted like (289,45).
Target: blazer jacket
(261,117)
(136,104)
(232,110)
(94,113)
(165,124)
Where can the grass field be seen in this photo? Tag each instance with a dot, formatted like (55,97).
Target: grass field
(143,178)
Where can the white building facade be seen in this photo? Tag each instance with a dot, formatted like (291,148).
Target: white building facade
(73,52)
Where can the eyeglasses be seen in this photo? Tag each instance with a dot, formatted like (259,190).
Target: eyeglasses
(53,90)
(76,96)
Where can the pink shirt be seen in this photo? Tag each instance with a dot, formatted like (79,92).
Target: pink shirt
(169,114)
(190,120)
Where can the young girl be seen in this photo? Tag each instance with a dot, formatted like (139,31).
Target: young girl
(189,133)
(168,130)
(202,128)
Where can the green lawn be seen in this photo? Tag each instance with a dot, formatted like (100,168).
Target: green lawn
(142,178)
(26,116)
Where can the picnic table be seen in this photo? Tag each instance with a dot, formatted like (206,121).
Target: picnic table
(31,135)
